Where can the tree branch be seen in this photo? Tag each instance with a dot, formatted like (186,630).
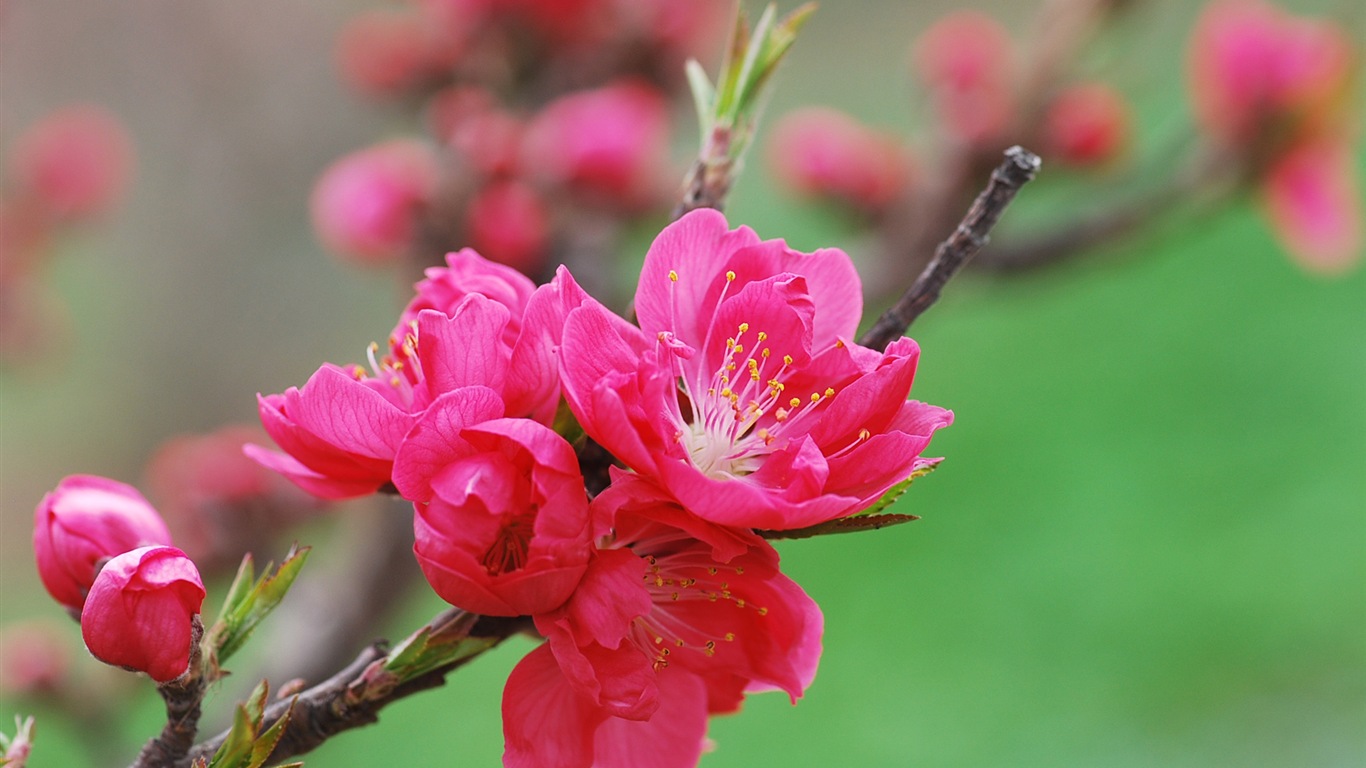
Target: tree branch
(1018,168)
(354,696)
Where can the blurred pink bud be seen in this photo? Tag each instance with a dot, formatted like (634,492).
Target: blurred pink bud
(823,152)
(365,206)
(1315,205)
(507,223)
(76,162)
(450,107)
(609,141)
(695,29)
(219,502)
(1258,73)
(82,523)
(564,21)
(490,141)
(1086,124)
(965,59)
(33,659)
(383,53)
(140,612)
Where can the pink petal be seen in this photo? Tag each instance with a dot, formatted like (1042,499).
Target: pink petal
(546,722)
(464,349)
(343,412)
(672,738)
(695,248)
(427,450)
(1312,197)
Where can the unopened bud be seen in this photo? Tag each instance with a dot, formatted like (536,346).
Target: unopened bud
(140,612)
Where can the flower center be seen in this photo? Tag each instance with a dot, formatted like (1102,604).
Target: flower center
(400,369)
(739,412)
(674,579)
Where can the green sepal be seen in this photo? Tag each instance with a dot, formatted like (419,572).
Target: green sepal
(250,601)
(870,519)
(436,646)
(731,108)
(246,746)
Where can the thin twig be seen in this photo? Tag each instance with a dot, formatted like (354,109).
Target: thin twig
(1018,168)
(352,698)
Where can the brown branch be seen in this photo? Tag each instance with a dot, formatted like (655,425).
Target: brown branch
(1203,178)
(183,697)
(1018,168)
(354,696)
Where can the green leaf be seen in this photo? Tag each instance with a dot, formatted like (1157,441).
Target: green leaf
(436,646)
(251,606)
(899,490)
(842,525)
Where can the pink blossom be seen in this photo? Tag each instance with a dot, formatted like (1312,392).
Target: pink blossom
(466,273)
(501,520)
(609,142)
(824,152)
(1086,124)
(1260,76)
(76,162)
(366,205)
(674,621)
(139,614)
(84,522)
(341,430)
(964,59)
(1314,204)
(743,394)
(339,433)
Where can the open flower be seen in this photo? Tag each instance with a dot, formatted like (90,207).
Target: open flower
(140,612)
(742,393)
(675,620)
(340,431)
(83,522)
(501,520)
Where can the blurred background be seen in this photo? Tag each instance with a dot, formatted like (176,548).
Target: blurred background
(1146,546)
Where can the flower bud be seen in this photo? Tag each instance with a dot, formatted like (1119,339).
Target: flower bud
(608,142)
(1086,124)
(76,161)
(365,206)
(508,224)
(140,612)
(822,152)
(82,523)
(965,61)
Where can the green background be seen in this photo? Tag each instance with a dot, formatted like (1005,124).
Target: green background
(1146,546)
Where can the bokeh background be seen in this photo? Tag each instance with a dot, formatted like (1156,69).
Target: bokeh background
(1147,545)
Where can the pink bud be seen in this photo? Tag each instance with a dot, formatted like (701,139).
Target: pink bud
(490,141)
(609,142)
(1086,124)
(140,611)
(365,206)
(76,161)
(507,224)
(823,152)
(1258,73)
(33,659)
(82,523)
(965,61)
